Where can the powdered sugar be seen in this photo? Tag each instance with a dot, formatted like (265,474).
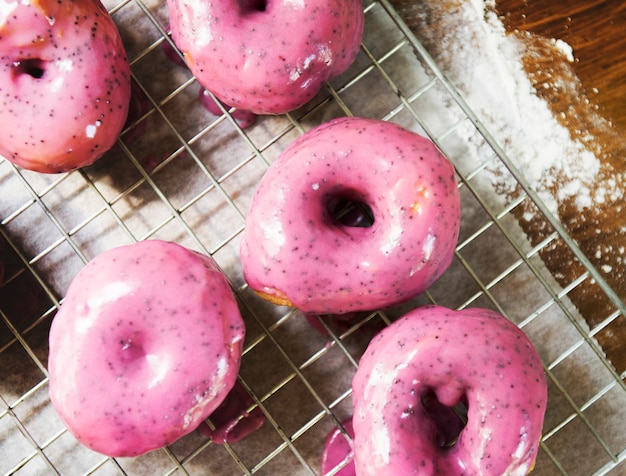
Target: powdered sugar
(485,63)
(566,49)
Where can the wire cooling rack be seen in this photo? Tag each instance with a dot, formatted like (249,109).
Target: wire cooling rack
(182,174)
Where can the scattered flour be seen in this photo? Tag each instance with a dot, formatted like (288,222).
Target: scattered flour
(486,65)
(566,49)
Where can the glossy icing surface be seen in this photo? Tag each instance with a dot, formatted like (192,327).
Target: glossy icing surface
(474,357)
(266,56)
(146,344)
(64,83)
(294,251)
(231,421)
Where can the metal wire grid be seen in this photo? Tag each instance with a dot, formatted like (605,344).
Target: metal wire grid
(188,178)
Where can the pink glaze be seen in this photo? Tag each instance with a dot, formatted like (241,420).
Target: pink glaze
(146,344)
(64,83)
(243,118)
(266,56)
(295,252)
(338,449)
(231,420)
(474,356)
(337,323)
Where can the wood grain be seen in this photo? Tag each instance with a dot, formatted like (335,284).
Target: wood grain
(595,29)
(588,96)
(596,107)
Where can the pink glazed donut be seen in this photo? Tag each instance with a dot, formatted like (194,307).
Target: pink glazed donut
(296,252)
(266,56)
(475,357)
(64,83)
(146,344)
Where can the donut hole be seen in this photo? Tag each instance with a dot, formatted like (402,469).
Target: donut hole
(130,348)
(33,67)
(252,6)
(448,421)
(347,209)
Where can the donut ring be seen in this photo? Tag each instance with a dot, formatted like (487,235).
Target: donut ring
(64,81)
(295,252)
(145,346)
(474,356)
(266,56)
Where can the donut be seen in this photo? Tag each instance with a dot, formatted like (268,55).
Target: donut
(297,250)
(243,118)
(64,83)
(433,359)
(266,56)
(146,344)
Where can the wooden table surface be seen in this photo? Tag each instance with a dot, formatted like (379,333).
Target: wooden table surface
(595,107)
(596,31)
